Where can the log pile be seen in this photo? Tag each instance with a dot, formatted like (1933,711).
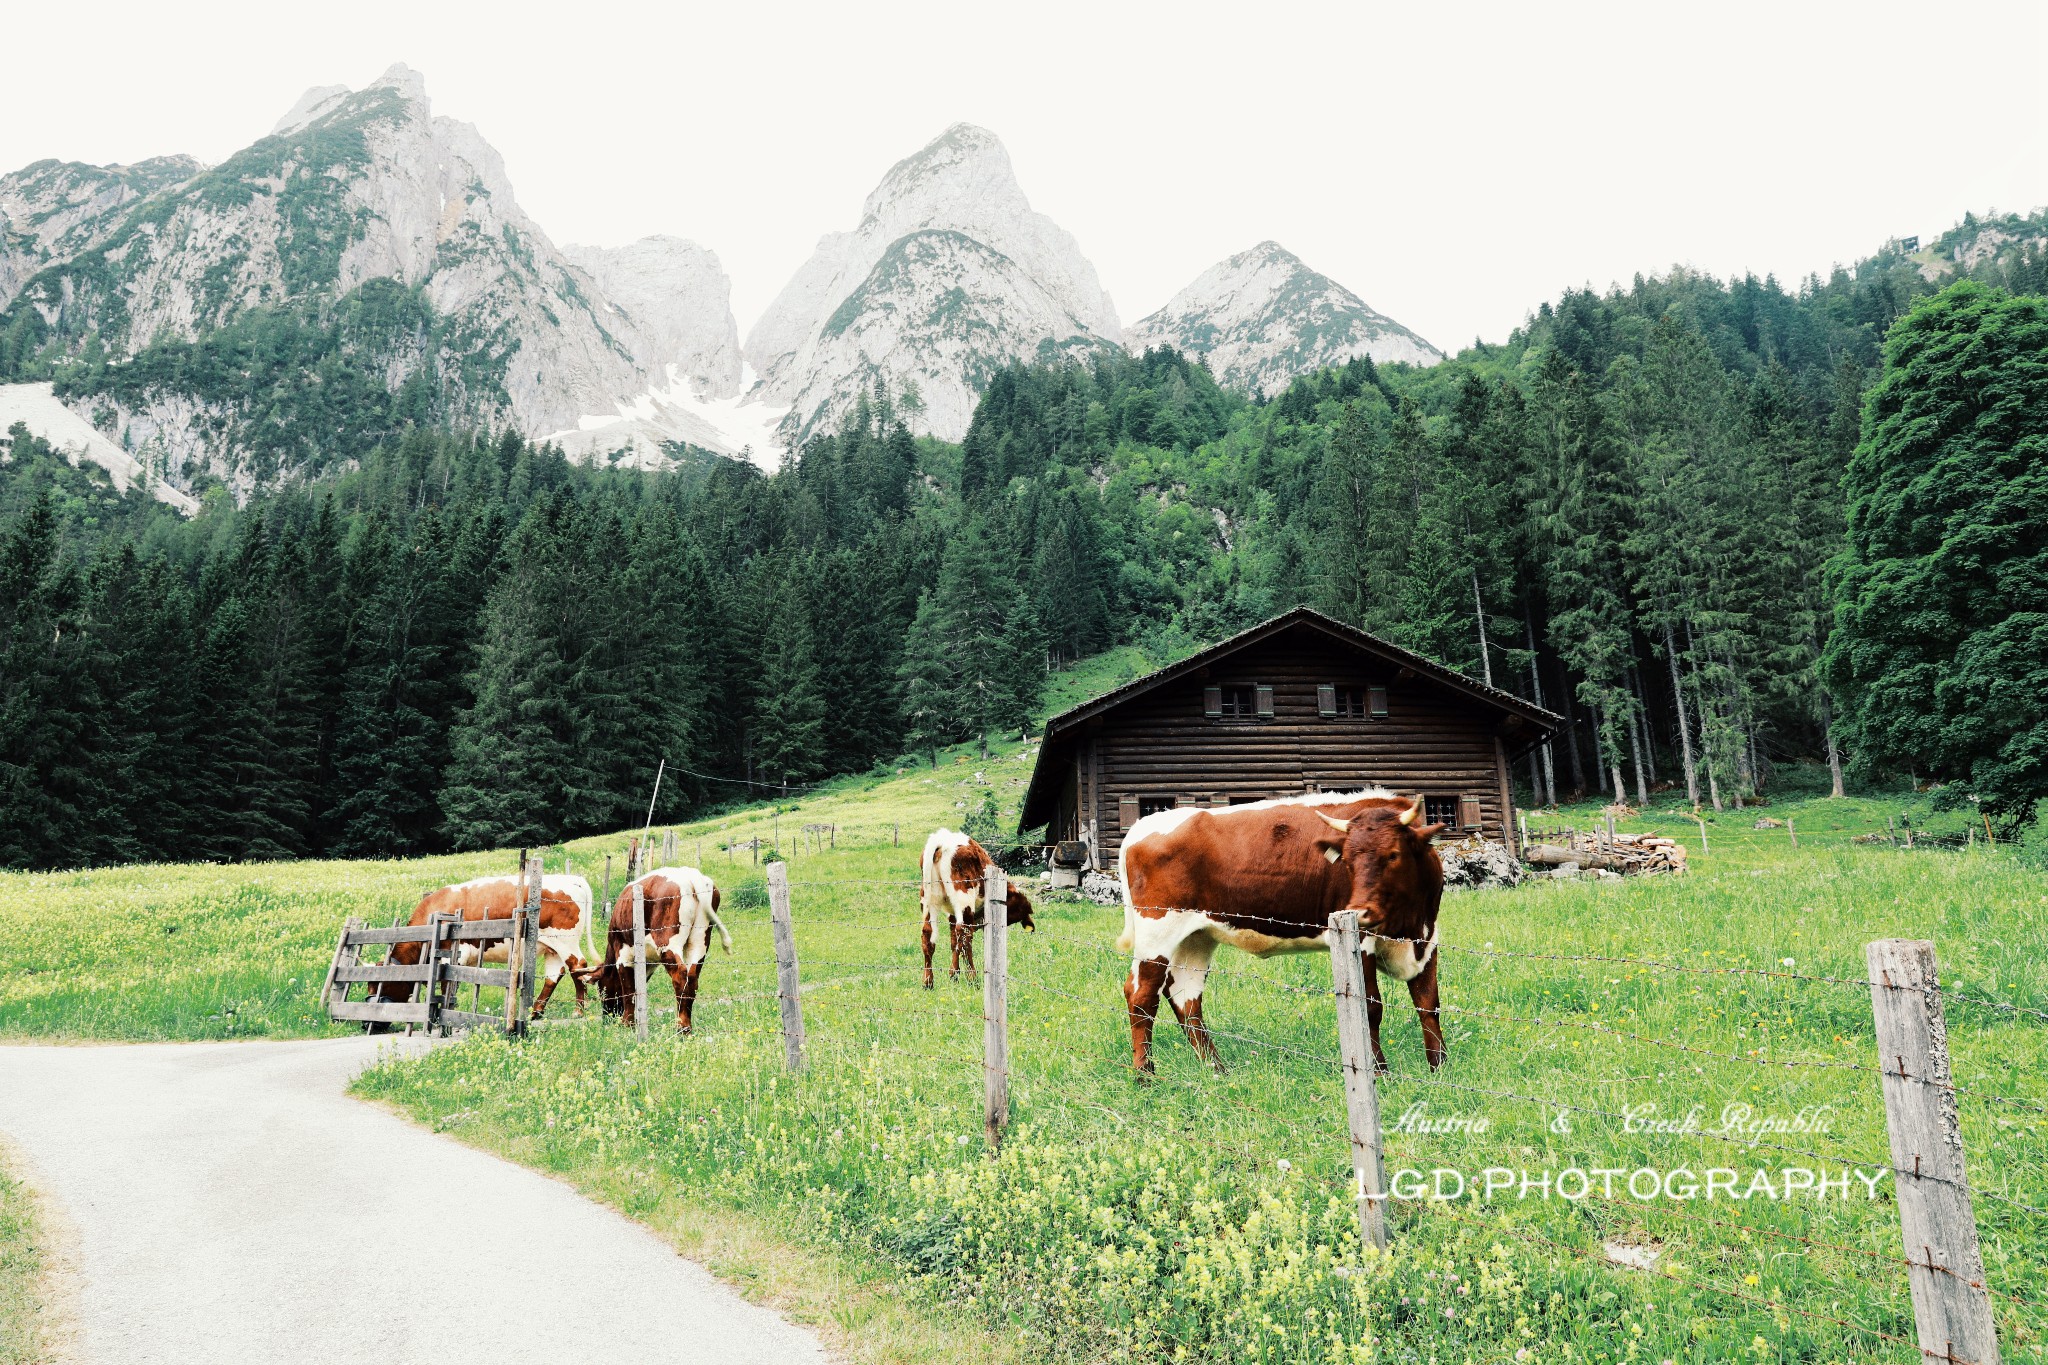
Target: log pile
(1625,855)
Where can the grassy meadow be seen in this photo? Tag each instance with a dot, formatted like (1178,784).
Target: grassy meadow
(1197,1217)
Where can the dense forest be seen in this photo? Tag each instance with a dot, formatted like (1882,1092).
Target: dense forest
(1634,511)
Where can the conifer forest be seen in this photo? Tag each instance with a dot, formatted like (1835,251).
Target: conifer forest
(1718,525)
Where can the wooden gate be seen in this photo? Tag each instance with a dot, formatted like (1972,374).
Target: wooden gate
(441,939)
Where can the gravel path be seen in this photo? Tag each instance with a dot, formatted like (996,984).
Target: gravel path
(232,1204)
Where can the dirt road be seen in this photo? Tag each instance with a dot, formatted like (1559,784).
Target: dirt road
(230,1203)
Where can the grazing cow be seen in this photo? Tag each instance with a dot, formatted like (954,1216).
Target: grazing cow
(954,874)
(564,929)
(680,905)
(1266,878)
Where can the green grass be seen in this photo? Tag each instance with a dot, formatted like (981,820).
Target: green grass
(1126,1220)
(26,1325)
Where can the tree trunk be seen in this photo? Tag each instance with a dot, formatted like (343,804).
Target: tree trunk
(1692,780)
(1642,696)
(1635,749)
(1600,755)
(1571,731)
(1479,615)
(1827,727)
(1547,793)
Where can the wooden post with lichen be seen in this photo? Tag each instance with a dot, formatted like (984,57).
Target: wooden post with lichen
(1361,1095)
(1939,1228)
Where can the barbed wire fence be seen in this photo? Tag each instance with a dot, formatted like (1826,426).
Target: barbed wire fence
(1301,1066)
(1944,1288)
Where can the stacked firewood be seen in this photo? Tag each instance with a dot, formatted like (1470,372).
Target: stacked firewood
(1626,854)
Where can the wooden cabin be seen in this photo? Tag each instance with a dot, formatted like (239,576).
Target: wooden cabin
(1301,703)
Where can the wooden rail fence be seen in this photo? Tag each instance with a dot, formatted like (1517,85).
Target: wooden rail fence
(435,981)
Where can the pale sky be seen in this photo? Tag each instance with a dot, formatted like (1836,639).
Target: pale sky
(1454,165)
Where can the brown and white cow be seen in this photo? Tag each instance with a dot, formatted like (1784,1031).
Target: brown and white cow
(564,929)
(1266,878)
(680,905)
(951,889)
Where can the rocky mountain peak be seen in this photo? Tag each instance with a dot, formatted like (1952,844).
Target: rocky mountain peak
(965,165)
(354,188)
(949,275)
(1263,316)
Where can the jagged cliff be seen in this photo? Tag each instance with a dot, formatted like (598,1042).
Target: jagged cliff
(474,305)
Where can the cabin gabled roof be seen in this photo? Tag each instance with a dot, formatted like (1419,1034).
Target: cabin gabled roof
(1532,722)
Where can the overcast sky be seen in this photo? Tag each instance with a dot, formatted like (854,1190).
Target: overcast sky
(1454,165)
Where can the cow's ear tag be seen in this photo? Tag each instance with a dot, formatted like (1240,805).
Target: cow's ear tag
(1331,853)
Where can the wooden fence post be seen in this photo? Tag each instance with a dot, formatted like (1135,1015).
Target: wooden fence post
(334,964)
(1703,833)
(529,946)
(1791,831)
(1361,1095)
(995,1007)
(787,989)
(604,907)
(1891,831)
(640,960)
(430,954)
(1940,1230)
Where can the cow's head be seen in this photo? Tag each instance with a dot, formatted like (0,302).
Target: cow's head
(1020,910)
(1397,882)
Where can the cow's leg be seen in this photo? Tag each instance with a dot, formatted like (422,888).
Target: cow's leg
(967,932)
(551,972)
(676,974)
(628,1001)
(1184,982)
(579,977)
(1374,1007)
(686,995)
(924,936)
(1141,995)
(955,972)
(1422,990)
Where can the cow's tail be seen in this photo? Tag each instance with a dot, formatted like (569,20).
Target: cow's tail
(1128,939)
(724,937)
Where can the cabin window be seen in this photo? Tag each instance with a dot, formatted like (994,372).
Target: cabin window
(1344,702)
(1233,703)
(1152,805)
(1440,810)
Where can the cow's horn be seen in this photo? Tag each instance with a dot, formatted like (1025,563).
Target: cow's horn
(1408,816)
(1339,825)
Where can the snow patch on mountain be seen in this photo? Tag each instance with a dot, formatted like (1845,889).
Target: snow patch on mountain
(37,407)
(638,431)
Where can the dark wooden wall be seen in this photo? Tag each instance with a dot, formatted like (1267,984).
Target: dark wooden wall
(1159,743)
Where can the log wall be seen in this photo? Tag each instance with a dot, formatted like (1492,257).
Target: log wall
(1160,746)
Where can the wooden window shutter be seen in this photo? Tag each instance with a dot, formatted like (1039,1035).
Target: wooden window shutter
(1468,812)
(1376,700)
(1326,700)
(1265,700)
(1126,811)
(1212,701)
